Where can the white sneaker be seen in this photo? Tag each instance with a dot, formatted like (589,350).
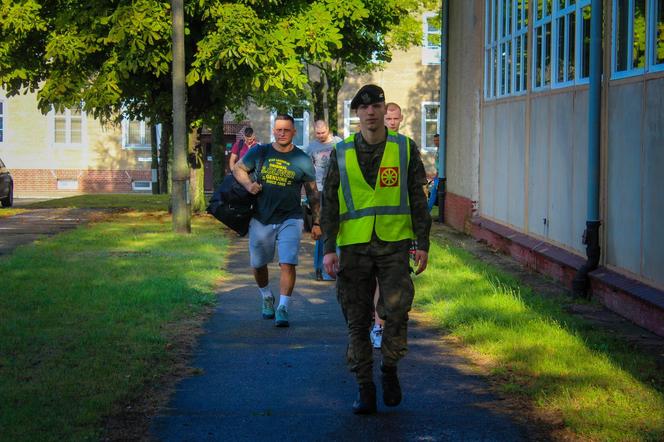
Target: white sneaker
(376,336)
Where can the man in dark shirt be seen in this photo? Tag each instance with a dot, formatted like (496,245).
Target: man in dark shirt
(382,253)
(277,223)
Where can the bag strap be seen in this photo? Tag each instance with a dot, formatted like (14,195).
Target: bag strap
(259,168)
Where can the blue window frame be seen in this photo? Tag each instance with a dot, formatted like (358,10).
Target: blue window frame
(656,36)
(542,54)
(505,47)
(561,55)
(637,38)
(571,33)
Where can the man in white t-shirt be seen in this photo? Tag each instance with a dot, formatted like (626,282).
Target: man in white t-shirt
(319,150)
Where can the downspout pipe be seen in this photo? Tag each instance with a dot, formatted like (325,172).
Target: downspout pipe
(442,110)
(580,283)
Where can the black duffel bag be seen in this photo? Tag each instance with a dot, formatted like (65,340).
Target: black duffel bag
(232,204)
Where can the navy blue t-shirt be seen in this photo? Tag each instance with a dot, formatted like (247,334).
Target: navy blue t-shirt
(282,177)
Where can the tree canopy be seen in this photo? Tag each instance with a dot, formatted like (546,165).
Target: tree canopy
(368,43)
(114,56)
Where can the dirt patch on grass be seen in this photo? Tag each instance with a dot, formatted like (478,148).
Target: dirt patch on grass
(132,420)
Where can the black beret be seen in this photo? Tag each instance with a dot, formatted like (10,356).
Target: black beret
(368,94)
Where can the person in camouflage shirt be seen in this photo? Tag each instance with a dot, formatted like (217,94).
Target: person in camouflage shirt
(363,262)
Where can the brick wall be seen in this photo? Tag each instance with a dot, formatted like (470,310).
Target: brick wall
(89,181)
(458,211)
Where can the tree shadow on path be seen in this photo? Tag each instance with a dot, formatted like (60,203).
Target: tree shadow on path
(258,382)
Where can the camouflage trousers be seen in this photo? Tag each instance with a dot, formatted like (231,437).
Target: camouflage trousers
(356,283)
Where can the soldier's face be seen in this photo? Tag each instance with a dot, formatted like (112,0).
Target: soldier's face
(372,116)
(283,132)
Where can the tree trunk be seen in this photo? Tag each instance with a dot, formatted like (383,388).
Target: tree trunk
(316,80)
(197,173)
(335,77)
(218,153)
(164,153)
(318,97)
(180,198)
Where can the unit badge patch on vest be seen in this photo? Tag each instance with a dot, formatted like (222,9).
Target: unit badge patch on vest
(389,176)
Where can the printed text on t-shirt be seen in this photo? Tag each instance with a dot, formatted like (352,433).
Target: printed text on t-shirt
(276,172)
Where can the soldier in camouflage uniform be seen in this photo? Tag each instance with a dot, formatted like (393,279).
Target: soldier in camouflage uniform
(363,260)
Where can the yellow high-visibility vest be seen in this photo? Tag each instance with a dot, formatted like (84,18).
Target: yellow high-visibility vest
(385,207)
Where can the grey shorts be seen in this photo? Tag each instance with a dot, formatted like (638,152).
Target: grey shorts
(265,238)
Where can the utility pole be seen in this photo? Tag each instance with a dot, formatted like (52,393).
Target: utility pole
(180,195)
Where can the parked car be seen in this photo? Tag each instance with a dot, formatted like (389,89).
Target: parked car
(6,186)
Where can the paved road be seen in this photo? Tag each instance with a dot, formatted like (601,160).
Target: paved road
(29,226)
(259,382)
(23,202)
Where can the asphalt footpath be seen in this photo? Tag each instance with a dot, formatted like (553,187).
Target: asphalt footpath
(34,224)
(257,382)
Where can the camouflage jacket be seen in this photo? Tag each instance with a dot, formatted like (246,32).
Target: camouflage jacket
(369,156)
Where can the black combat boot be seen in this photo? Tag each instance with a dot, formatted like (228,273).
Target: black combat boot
(391,387)
(366,399)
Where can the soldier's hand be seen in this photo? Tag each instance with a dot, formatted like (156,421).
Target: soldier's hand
(316,232)
(421,259)
(331,264)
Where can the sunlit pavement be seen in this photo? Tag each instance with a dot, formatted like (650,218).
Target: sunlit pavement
(259,382)
(31,225)
(23,202)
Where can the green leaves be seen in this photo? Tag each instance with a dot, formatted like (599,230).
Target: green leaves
(116,54)
(20,18)
(70,46)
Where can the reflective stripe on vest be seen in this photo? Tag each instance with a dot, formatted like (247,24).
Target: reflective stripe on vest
(385,207)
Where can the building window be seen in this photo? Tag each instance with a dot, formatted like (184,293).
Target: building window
(638,37)
(301,117)
(430,124)
(67,185)
(505,47)
(351,120)
(542,54)
(562,43)
(68,127)
(431,39)
(136,134)
(571,42)
(657,35)
(2,121)
(141,185)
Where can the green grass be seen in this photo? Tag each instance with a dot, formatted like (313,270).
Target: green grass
(5,212)
(87,318)
(145,202)
(603,389)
